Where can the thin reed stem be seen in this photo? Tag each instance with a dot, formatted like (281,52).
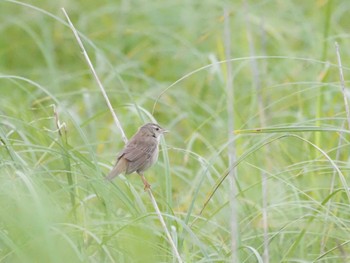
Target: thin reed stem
(342,84)
(262,119)
(231,146)
(116,120)
(153,200)
(161,219)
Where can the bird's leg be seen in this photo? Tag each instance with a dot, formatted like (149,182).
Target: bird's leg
(145,183)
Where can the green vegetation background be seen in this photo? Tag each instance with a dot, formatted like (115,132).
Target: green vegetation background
(55,205)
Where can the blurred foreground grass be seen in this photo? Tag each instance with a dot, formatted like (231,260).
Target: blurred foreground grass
(55,206)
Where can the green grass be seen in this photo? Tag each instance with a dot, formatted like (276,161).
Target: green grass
(55,205)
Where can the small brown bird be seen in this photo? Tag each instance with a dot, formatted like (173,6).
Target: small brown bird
(140,153)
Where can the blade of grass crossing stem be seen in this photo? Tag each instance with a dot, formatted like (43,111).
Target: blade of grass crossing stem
(231,147)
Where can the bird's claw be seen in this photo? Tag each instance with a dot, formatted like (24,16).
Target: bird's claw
(147,186)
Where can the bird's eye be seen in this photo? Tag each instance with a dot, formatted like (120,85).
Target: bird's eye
(157,129)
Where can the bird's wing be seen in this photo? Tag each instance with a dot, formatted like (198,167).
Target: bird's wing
(138,153)
(135,150)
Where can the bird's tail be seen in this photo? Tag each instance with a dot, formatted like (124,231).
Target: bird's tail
(112,174)
(119,168)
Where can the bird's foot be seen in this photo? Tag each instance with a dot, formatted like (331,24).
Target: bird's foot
(147,186)
(145,183)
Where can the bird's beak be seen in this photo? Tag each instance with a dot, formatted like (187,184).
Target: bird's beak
(165,131)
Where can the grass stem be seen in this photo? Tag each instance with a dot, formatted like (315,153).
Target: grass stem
(153,200)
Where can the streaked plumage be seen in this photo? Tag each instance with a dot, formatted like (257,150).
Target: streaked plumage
(139,153)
